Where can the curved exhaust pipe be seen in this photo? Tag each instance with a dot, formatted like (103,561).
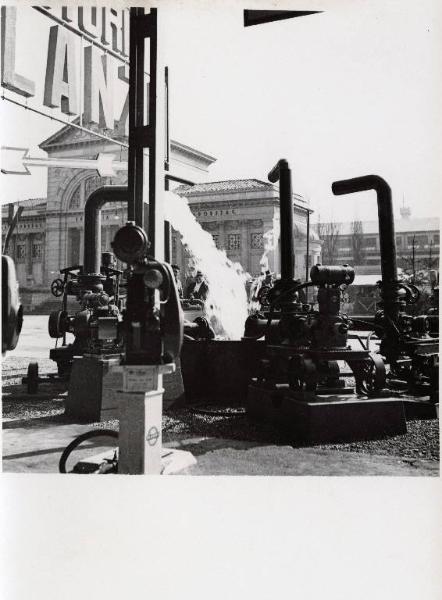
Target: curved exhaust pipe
(385,216)
(92,223)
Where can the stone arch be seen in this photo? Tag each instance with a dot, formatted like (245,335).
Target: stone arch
(72,186)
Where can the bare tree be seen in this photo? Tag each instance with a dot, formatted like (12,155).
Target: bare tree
(431,261)
(410,263)
(357,242)
(328,233)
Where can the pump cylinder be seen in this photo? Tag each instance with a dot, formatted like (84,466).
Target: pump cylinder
(324,275)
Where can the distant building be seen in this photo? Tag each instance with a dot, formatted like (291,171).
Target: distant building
(419,235)
(241,215)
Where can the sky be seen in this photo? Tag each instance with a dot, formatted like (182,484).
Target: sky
(354,90)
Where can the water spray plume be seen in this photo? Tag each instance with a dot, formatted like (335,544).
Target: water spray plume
(226,305)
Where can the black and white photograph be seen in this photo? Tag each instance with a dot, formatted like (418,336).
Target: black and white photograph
(220,243)
(220,256)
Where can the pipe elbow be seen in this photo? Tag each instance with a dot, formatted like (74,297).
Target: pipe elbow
(92,233)
(105,193)
(282,164)
(361,184)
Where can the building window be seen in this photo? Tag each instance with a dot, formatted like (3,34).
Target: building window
(419,240)
(369,242)
(343,242)
(73,247)
(436,238)
(20,252)
(234,241)
(398,241)
(37,252)
(256,241)
(216,239)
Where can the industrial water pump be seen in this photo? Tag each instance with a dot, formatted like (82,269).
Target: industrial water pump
(409,344)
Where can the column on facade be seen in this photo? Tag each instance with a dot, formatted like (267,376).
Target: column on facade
(55,243)
(81,253)
(245,244)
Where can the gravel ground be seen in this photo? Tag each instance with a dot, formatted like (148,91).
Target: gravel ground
(421,441)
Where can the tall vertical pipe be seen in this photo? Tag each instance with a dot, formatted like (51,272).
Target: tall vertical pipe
(136,117)
(283,172)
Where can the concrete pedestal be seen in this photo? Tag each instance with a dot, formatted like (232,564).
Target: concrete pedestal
(92,389)
(307,418)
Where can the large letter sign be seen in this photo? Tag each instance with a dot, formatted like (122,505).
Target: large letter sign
(60,83)
(79,76)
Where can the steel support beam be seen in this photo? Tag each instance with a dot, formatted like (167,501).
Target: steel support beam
(145,136)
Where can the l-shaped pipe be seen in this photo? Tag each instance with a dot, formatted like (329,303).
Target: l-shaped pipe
(386,221)
(92,223)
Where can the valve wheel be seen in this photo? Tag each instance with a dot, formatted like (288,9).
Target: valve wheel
(57,288)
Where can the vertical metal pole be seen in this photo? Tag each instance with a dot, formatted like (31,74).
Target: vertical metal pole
(153,128)
(307,263)
(413,254)
(167,225)
(136,110)
(308,255)
(286,218)
(167,232)
(167,132)
(167,242)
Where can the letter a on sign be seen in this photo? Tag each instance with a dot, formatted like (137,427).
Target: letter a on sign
(60,82)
